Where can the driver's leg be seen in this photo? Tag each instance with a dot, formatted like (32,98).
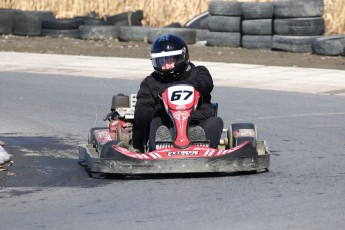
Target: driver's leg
(158,129)
(139,138)
(213,128)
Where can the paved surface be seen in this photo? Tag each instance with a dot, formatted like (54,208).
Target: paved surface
(304,80)
(43,119)
(293,79)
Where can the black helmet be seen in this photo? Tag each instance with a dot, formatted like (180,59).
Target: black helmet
(169,55)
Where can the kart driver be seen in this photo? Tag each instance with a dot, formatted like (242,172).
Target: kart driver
(170,60)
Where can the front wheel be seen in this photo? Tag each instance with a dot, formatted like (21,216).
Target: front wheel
(238,133)
(107,151)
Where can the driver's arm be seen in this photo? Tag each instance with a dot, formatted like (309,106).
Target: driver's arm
(144,106)
(202,80)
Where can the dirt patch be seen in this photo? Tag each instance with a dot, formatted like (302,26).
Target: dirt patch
(198,52)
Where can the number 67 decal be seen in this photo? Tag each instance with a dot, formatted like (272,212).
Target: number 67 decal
(176,95)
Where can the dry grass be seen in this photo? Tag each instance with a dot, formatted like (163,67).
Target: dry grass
(335,16)
(157,12)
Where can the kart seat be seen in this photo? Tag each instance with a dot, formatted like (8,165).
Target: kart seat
(214,106)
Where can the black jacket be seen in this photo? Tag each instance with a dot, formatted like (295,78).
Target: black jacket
(148,100)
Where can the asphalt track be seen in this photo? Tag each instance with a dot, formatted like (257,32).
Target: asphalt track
(48,103)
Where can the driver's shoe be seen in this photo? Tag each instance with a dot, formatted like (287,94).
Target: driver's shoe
(163,134)
(197,134)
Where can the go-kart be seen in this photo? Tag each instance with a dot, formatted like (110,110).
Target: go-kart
(110,150)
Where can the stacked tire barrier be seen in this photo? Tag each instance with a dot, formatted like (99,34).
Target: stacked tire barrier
(60,27)
(6,21)
(333,45)
(29,23)
(189,35)
(134,33)
(43,23)
(284,25)
(257,25)
(224,24)
(297,24)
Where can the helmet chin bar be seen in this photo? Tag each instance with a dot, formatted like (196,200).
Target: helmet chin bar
(173,73)
(167,73)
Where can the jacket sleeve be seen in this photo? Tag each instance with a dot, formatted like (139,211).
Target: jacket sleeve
(202,80)
(144,106)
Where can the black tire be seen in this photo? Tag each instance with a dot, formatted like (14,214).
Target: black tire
(198,22)
(107,151)
(92,14)
(223,39)
(92,32)
(257,10)
(61,24)
(298,9)
(299,26)
(296,44)
(224,8)
(60,33)
(201,34)
(133,33)
(126,19)
(257,27)
(173,25)
(251,130)
(189,35)
(224,24)
(43,15)
(91,21)
(6,21)
(27,23)
(257,42)
(329,45)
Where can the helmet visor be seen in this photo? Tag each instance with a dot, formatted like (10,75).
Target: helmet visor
(167,60)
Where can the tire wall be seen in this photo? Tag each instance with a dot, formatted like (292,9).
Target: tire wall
(224,24)
(91,27)
(284,25)
(257,18)
(296,24)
